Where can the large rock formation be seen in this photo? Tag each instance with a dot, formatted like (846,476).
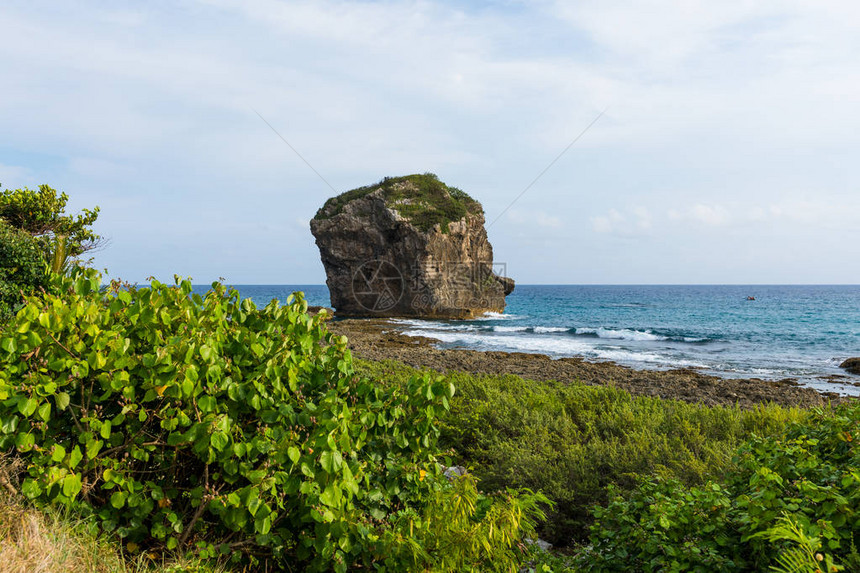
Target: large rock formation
(408,246)
(852,365)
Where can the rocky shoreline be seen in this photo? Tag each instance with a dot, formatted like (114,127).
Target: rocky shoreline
(376,339)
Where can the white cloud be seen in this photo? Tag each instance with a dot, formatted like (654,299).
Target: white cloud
(643,218)
(814,213)
(147,110)
(711,215)
(534,219)
(635,221)
(611,222)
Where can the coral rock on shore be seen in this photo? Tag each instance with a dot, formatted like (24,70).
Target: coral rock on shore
(379,340)
(852,365)
(410,247)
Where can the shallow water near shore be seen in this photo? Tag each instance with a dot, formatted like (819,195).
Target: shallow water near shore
(800,332)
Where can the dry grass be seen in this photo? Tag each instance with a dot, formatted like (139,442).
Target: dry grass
(54,541)
(36,542)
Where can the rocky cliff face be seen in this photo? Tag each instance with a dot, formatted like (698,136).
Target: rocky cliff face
(408,246)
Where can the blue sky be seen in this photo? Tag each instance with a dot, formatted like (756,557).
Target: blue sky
(727,153)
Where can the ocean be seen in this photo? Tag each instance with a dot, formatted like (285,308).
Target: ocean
(800,332)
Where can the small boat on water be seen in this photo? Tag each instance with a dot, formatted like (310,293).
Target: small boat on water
(750,298)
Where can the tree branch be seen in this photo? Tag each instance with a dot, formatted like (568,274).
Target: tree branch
(204,501)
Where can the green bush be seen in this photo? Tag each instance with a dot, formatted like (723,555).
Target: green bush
(664,527)
(22,269)
(188,422)
(41,214)
(461,529)
(571,441)
(791,495)
(812,474)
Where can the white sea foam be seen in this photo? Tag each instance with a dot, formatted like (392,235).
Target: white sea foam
(553,346)
(510,328)
(621,334)
(411,322)
(490,315)
(557,346)
(436,325)
(549,329)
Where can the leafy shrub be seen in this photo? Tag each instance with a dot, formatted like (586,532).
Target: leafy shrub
(790,496)
(665,527)
(463,530)
(189,422)
(22,269)
(811,474)
(41,214)
(571,441)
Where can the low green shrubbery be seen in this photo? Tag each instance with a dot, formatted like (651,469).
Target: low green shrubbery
(22,269)
(208,424)
(571,441)
(793,504)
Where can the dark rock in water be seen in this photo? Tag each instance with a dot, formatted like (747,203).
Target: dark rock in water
(408,246)
(852,365)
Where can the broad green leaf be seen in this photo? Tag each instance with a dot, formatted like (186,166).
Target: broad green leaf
(254,505)
(30,488)
(9,344)
(206,404)
(9,425)
(306,469)
(93,448)
(75,457)
(59,453)
(265,525)
(71,485)
(27,406)
(330,495)
(105,430)
(25,441)
(219,440)
(327,461)
(118,498)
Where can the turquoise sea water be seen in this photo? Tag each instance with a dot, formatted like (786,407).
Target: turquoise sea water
(800,332)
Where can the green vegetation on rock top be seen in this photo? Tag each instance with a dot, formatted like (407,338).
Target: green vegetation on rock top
(422,199)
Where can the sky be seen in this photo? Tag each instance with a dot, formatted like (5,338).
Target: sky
(726,152)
